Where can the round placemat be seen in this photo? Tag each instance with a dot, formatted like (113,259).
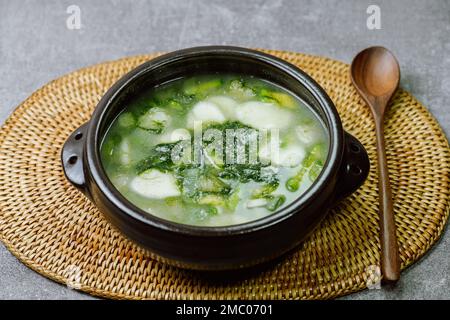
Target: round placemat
(53,229)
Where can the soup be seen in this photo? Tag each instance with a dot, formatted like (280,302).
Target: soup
(214,150)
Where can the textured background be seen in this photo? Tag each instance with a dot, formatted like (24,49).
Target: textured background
(36,47)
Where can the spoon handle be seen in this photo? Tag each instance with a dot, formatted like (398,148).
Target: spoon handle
(390,259)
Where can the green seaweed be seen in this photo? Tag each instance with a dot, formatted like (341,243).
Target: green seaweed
(312,164)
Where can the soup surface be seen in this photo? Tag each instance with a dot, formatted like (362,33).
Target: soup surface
(214,150)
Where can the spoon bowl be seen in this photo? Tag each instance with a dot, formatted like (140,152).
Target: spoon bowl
(376,74)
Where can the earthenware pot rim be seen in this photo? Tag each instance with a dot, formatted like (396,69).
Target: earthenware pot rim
(330,169)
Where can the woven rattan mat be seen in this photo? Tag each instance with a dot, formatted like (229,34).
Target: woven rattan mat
(54,230)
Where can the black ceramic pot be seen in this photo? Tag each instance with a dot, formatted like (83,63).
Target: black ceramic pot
(216,248)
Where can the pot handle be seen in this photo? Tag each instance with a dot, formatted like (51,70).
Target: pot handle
(72,158)
(354,168)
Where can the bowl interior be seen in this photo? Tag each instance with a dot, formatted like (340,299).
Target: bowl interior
(227,60)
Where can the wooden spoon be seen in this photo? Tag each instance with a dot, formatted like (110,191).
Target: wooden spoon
(375,74)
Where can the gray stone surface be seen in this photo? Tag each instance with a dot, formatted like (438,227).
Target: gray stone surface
(36,47)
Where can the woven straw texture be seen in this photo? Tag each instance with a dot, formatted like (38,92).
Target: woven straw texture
(53,229)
